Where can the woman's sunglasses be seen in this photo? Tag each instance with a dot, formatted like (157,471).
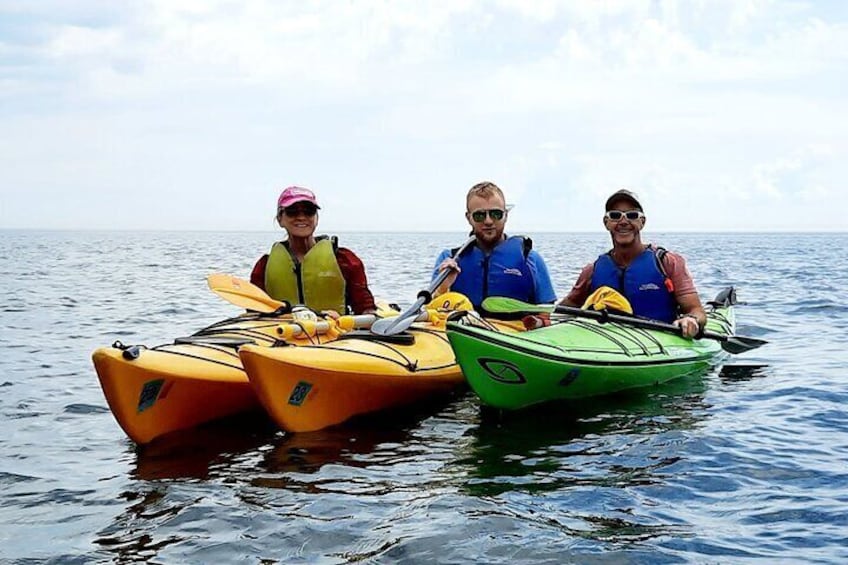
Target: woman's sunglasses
(295,211)
(495,213)
(617,215)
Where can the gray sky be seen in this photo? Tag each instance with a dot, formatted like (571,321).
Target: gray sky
(722,115)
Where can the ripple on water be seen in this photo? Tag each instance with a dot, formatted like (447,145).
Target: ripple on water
(85,409)
(740,464)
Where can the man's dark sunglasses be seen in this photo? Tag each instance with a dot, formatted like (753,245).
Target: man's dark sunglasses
(480,215)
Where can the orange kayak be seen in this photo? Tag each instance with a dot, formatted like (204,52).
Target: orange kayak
(158,390)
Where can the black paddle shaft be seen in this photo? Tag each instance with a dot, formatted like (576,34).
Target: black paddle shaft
(730,343)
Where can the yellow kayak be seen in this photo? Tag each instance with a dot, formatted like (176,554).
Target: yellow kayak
(312,387)
(157,390)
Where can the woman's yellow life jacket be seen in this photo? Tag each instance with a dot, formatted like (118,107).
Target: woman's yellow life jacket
(316,282)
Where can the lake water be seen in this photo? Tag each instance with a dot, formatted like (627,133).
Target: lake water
(740,465)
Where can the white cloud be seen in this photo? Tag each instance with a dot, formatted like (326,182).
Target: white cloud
(76,42)
(559,103)
(793,177)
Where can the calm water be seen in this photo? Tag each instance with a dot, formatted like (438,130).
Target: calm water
(739,465)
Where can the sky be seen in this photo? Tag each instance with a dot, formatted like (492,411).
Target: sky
(195,114)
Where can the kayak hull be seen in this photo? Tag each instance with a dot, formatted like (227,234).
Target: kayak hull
(155,391)
(156,394)
(577,359)
(313,387)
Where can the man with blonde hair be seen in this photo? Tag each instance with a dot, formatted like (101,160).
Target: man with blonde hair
(497,264)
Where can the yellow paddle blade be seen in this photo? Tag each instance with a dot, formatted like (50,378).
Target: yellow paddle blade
(607,298)
(450,301)
(385,309)
(241,293)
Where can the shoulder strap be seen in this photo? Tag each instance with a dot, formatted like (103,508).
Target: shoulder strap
(467,250)
(333,239)
(528,246)
(526,242)
(602,255)
(660,254)
(287,246)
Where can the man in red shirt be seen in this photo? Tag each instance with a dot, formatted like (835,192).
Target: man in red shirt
(655,281)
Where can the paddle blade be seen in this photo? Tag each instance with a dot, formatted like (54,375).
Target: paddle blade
(242,293)
(741,344)
(394,325)
(401,323)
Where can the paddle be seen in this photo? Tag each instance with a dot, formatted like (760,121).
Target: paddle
(730,343)
(245,294)
(391,326)
(312,327)
(344,323)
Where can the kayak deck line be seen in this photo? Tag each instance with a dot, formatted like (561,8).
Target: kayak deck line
(310,388)
(403,361)
(575,360)
(580,357)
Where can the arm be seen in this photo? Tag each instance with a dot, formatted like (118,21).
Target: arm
(582,288)
(359,296)
(693,318)
(543,288)
(444,261)
(257,275)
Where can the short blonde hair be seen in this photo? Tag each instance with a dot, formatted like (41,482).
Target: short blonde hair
(484,189)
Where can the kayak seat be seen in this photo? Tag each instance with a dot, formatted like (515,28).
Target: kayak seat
(403,338)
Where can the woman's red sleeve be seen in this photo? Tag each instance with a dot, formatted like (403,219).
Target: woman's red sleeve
(257,275)
(359,296)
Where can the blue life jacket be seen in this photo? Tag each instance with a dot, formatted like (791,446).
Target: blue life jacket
(503,272)
(643,282)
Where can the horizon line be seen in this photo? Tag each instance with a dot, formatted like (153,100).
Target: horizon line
(177,230)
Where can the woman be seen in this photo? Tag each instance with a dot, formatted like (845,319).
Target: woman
(310,270)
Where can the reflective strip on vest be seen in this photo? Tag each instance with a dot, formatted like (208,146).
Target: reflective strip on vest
(642,283)
(320,277)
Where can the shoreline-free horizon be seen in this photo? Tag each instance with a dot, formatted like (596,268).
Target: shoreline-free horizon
(452,232)
(722,118)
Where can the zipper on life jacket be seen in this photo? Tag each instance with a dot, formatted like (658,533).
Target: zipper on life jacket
(486,276)
(297,267)
(621,289)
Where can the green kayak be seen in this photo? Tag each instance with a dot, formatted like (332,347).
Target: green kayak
(577,357)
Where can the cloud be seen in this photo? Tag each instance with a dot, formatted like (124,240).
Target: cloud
(796,176)
(375,104)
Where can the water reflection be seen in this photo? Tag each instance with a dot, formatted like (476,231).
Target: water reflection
(372,441)
(158,499)
(131,536)
(235,456)
(205,451)
(740,372)
(211,450)
(610,441)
